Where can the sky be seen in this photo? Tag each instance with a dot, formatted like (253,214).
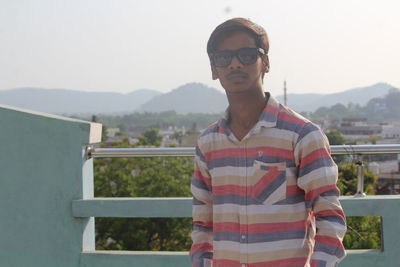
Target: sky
(317,46)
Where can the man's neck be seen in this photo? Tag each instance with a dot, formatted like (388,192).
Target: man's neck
(244,110)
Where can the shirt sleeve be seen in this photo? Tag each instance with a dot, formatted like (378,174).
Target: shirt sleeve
(317,176)
(201,252)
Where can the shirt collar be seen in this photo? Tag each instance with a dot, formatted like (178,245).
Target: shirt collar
(269,116)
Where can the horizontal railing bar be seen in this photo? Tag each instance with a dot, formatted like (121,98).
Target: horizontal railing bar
(133,207)
(378,205)
(190,151)
(142,152)
(365,149)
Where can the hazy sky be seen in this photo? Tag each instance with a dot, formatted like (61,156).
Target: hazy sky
(318,46)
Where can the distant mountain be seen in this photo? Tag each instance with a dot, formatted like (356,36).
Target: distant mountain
(311,102)
(191,97)
(62,101)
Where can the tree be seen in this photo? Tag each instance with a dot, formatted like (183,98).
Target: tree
(338,111)
(143,177)
(139,122)
(321,112)
(150,137)
(335,137)
(363,232)
(193,129)
(348,180)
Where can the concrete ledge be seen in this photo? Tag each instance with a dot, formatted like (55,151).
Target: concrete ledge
(379,205)
(364,258)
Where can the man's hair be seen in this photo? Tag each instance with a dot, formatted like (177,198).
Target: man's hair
(234,25)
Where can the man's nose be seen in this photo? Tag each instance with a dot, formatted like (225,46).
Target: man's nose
(235,63)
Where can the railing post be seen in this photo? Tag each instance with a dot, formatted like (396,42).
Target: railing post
(88,238)
(360,177)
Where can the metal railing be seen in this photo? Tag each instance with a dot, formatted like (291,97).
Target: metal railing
(189,151)
(354,150)
(385,207)
(365,149)
(139,152)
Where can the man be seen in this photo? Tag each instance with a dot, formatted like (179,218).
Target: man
(264,184)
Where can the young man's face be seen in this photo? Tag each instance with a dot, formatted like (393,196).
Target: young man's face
(238,77)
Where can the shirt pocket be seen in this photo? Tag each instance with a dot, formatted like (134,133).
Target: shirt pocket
(269,182)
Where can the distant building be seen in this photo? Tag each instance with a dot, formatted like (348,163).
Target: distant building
(168,140)
(390,131)
(359,126)
(388,184)
(388,176)
(326,124)
(111,132)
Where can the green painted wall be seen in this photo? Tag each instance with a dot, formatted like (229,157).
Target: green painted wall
(41,172)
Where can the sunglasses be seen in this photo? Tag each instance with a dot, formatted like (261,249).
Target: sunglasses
(246,56)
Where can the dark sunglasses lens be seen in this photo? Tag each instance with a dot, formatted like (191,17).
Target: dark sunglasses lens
(222,58)
(248,56)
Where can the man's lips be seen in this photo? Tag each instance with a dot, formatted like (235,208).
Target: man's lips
(236,74)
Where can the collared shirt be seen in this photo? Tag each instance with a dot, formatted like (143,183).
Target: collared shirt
(269,199)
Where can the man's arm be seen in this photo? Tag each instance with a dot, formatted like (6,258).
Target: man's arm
(201,251)
(317,176)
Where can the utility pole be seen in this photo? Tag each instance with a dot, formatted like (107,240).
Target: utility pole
(284,93)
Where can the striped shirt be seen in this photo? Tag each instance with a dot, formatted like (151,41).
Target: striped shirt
(269,199)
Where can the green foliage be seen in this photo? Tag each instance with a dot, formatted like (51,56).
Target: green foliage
(377,110)
(149,234)
(335,137)
(320,112)
(362,232)
(140,122)
(151,137)
(348,180)
(143,177)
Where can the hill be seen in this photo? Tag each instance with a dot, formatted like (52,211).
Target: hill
(311,102)
(189,98)
(62,101)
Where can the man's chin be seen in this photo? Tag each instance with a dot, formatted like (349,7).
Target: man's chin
(237,89)
(235,86)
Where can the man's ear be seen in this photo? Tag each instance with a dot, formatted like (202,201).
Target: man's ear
(266,64)
(214,73)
